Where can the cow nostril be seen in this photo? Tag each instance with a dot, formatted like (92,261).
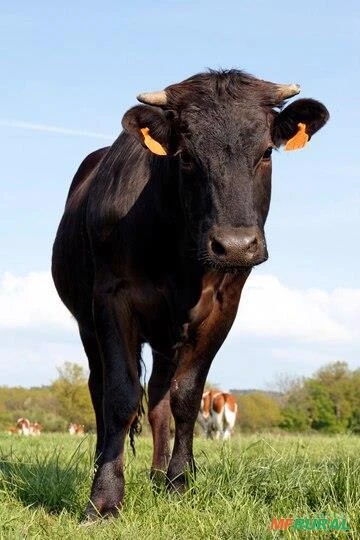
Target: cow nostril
(236,247)
(217,248)
(252,245)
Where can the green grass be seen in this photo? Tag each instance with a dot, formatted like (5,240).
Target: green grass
(239,488)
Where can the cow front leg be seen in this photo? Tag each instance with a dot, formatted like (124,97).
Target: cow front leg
(119,348)
(160,413)
(210,323)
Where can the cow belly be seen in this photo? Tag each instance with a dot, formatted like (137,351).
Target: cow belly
(72,271)
(161,328)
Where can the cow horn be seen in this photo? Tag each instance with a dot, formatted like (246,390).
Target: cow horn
(285,91)
(153,98)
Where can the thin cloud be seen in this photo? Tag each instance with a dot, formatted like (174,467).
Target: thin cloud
(277,327)
(31,302)
(268,308)
(55,129)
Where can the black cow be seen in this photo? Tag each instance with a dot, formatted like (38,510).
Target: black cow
(159,234)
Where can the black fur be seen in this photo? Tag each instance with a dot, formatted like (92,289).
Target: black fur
(156,249)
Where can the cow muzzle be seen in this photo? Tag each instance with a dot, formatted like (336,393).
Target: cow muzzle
(236,247)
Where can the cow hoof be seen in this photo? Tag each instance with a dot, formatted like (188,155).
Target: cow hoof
(158,479)
(93,513)
(87,521)
(177,484)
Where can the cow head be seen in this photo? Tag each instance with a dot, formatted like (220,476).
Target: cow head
(222,127)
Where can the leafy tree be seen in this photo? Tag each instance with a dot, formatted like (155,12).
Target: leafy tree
(354,421)
(320,407)
(338,379)
(257,411)
(328,402)
(71,391)
(294,419)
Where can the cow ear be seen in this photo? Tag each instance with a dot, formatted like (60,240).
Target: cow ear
(152,126)
(296,124)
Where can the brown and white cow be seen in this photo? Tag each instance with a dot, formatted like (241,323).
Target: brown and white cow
(23,426)
(217,414)
(12,430)
(76,429)
(35,428)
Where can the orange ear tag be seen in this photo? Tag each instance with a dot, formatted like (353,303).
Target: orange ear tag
(152,145)
(299,140)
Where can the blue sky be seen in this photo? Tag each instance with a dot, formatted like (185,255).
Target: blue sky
(70,72)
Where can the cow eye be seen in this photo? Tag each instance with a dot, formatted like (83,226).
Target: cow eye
(267,153)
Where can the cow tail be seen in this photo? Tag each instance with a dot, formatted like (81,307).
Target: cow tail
(135,429)
(136,425)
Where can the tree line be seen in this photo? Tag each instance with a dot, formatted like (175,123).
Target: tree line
(327,402)
(66,400)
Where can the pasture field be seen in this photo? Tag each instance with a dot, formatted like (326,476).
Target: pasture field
(240,487)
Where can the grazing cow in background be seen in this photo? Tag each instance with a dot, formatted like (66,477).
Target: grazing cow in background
(217,414)
(35,428)
(12,430)
(23,426)
(76,429)
(159,234)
